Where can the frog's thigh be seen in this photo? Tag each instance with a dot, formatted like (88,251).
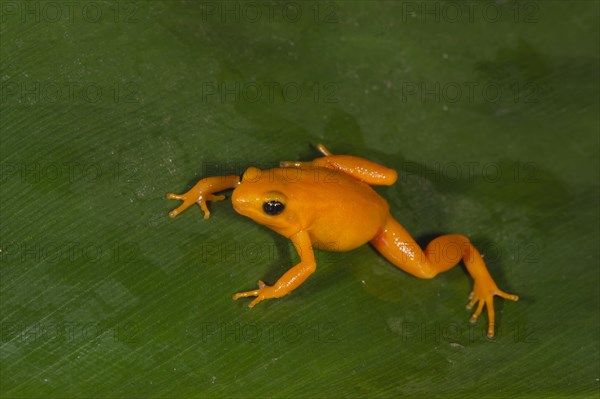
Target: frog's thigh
(397,246)
(359,168)
(442,254)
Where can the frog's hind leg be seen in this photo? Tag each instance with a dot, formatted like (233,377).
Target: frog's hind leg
(360,168)
(443,253)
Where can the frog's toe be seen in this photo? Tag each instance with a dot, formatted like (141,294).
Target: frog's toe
(487,300)
(505,295)
(263,292)
(246,294)
(202,201)
(179,209)
(187,202)
(256,300)
(478,310)
(489,304)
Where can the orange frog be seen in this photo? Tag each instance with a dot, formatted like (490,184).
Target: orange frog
(328,203)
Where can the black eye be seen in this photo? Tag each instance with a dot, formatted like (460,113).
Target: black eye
(273,207)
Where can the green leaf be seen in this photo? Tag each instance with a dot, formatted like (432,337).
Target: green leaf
(488,111)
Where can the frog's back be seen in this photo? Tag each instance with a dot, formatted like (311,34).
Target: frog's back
(339,211)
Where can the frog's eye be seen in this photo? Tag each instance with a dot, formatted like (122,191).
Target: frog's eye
(273,207)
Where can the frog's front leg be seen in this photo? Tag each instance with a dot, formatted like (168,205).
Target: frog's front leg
(292,279)
(202,192)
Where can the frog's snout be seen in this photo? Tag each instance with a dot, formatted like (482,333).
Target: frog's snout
(239,204)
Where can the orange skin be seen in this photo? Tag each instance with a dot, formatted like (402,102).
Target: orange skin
(328,203)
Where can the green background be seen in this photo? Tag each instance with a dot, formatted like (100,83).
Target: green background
(489,112)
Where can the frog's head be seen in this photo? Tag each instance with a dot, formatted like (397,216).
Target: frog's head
(261,196)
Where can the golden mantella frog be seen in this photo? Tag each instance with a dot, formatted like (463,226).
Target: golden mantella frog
(328,203)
